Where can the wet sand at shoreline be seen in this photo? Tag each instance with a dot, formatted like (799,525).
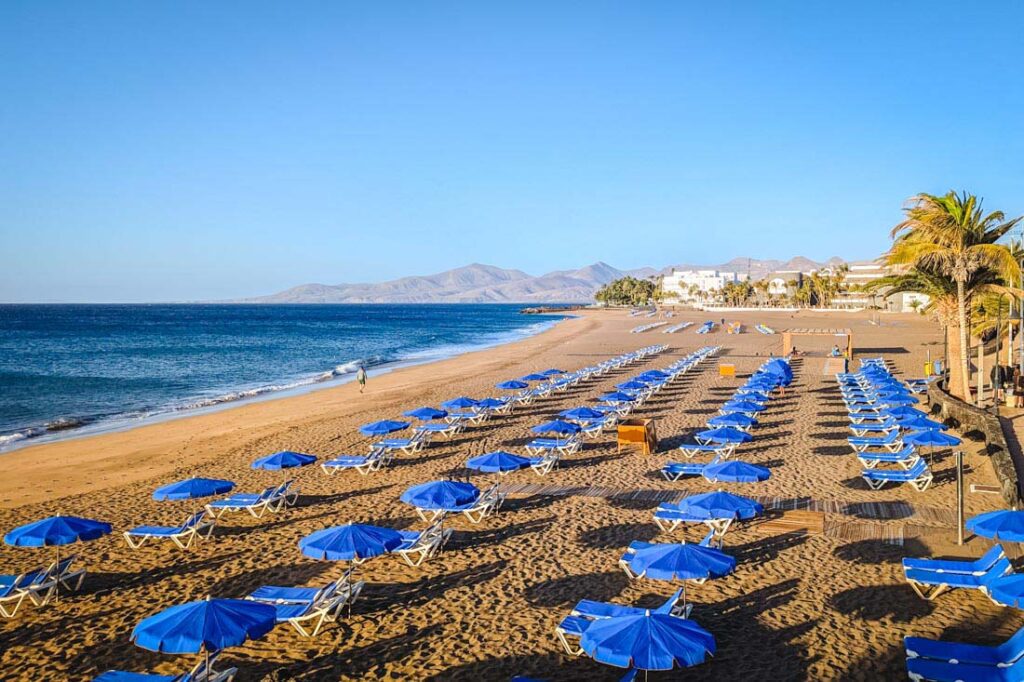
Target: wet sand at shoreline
(819,606)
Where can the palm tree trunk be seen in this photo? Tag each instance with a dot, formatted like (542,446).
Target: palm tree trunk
(961,301)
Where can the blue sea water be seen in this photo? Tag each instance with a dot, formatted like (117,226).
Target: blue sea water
(67,369)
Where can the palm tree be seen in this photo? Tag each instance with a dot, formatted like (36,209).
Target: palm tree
(951,236)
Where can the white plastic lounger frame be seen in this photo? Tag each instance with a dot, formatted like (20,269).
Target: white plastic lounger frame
(427,545)
(196,528)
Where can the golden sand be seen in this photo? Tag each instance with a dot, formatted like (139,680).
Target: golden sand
(828,603)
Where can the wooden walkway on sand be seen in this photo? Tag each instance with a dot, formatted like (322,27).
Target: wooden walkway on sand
(868,511)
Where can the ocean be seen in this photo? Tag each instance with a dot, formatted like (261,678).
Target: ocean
(67,370)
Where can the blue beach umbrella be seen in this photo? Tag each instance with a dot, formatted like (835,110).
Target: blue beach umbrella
(490,403)
(719,505)
(205,626)
(354,542)
(632,385)
(903,412)
(652,641)
(382,428)
(897,401)
(460,403)
(192,488)
(581,413)
(557,426)
(744,406)
(426,413)
(681,561)
(286,459)
(534,377)
(513,385)
(553,372)
(922,424)
(737,419)
(654,374)
(724,434)
(1008,590)
(735,471)
(931,438)
(617,397)
(1004,524)
(499,462)
(442,495)
(56,531)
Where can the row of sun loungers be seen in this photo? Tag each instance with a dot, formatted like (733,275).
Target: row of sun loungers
(677,328)
(877,440)
(647,327)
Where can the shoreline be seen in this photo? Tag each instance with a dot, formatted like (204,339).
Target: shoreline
(45,461)
(286,388)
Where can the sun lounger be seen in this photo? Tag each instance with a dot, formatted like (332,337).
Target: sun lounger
(586,612)
(272,499)
(565,446)
(69,578)
(892,442)
(906,458)
(418,546)
(930,584)
(719,450)
(488,503)
(979,566)
(417,442)
(544,464)
(874,428)
(299,605)
(669,518)
(1005,655)
(195,528)
(442,429)
(919,669)
(918,475)
(37,586)
(200,673)
(364,464)
(673,471)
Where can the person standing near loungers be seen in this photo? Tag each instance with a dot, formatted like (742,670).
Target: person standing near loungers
(361,378)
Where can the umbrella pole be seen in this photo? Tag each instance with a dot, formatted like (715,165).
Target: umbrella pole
(56,586)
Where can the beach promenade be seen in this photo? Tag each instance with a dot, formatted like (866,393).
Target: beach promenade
(826,603)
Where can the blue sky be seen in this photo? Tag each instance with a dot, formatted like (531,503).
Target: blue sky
(159,151)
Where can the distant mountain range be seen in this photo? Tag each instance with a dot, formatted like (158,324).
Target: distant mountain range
(478,283)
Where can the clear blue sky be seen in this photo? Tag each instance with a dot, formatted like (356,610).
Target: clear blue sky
(196,150)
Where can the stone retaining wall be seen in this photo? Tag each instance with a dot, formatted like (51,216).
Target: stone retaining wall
(977,423)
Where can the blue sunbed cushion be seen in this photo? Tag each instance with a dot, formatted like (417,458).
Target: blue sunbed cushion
(574,625)
(288,611)
(122,676)
(285,594)
(346,461)
(154,530)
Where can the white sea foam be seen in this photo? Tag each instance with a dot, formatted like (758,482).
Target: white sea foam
(66,427)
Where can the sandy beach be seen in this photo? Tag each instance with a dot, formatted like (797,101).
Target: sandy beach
(800,606)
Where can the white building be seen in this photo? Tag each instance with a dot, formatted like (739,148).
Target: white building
(862,272)
(704,283)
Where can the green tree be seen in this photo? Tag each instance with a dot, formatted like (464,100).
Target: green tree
(951,236)
(626,291)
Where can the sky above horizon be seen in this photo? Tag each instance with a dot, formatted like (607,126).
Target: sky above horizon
(196,151)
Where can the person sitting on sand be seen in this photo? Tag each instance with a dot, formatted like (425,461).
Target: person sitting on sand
(835,351)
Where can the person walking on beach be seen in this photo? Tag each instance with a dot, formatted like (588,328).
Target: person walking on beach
(361,378)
